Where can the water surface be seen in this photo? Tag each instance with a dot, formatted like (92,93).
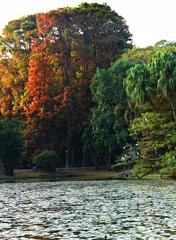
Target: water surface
(118,210)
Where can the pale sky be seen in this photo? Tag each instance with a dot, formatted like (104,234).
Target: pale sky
(149,21)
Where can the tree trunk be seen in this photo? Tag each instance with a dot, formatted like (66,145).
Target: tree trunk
(108,160)
(68,149)
(173,110)
(84,155)
(7,168)
(68,82)
(152,104)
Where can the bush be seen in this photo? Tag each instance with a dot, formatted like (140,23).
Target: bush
(46,160)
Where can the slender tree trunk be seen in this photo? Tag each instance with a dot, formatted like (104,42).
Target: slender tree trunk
(108,160)
(7,168)
(68,82)
(69,135)
(152,104)
(173,109)
(68,147)
(84,155)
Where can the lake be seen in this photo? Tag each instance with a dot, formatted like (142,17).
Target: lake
(118,210)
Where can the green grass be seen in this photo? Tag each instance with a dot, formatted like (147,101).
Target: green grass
(63,175)
(154,176)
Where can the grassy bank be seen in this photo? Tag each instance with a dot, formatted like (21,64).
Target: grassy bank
(69,175)
(62,175)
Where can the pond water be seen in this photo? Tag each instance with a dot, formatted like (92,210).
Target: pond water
(119,210)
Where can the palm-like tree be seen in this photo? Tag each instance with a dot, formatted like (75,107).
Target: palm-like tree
(163,70)
(138,84)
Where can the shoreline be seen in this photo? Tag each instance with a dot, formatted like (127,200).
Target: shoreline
(69,175)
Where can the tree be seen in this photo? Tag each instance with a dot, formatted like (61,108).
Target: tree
(113,111)
(103,33)
(40,72)
(109,127)
(15,50)
(156,135)
(153,127)
(81,39)
(163,71)
(138,84)
(10,146)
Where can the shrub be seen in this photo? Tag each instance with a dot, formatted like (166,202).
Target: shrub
(46,160)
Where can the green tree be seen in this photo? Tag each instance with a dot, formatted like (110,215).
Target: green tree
(109,127)
(138,84)
(151,86)
(11,146)
(163,71)
(156,135)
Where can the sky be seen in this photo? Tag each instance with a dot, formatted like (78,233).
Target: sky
(149,21)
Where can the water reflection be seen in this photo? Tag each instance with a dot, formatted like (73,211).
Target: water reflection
(88,210)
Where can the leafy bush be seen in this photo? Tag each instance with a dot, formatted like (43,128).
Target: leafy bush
(46,160)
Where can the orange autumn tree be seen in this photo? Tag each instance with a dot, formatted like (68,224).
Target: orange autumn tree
(38,77)
(56,27)
(37,98)
(44,104)
(14,53)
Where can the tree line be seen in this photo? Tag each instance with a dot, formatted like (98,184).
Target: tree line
(72,83)
(136,102)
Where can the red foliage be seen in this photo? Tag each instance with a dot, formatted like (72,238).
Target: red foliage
(45,21)
(38,77)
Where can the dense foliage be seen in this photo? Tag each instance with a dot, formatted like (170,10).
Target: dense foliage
(147,76)
(155,126)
